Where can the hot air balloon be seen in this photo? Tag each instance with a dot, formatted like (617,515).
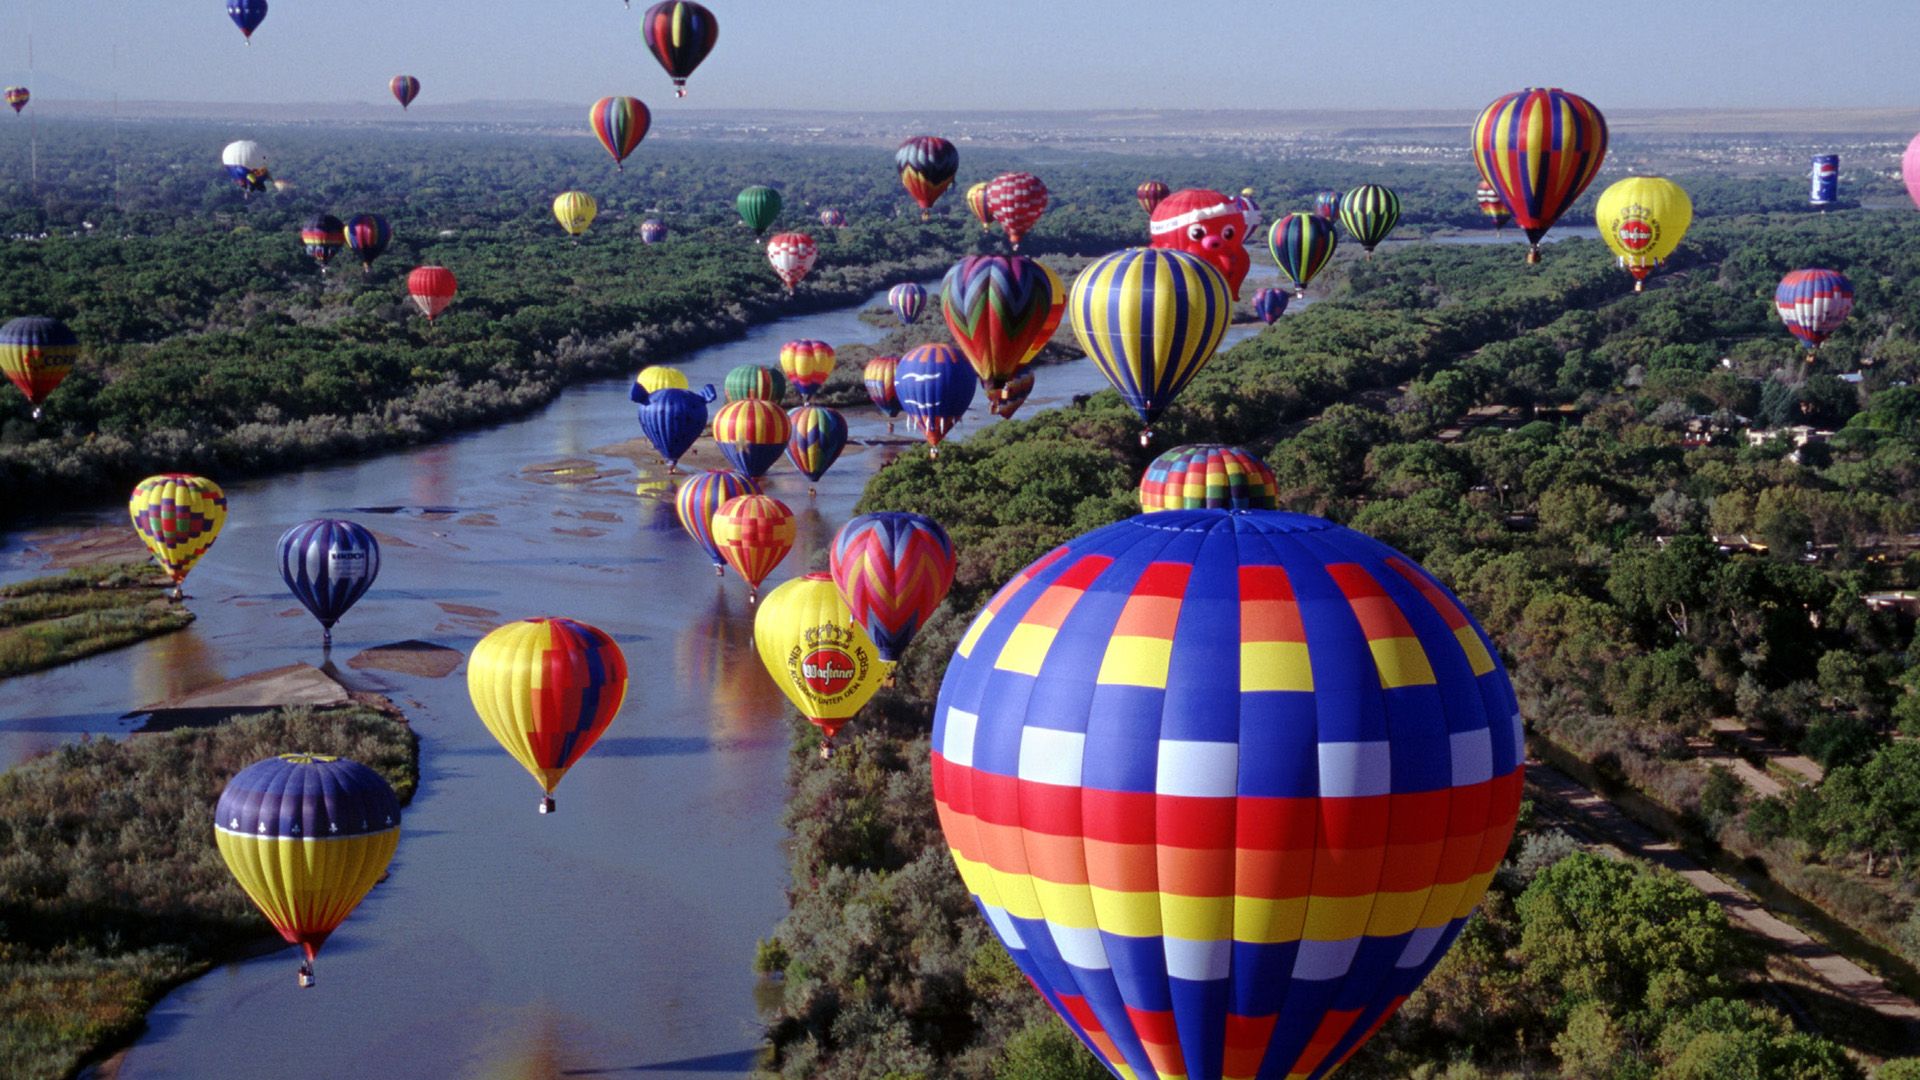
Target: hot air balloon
(1539,149)
(892,569)
(1301,245)
(1910,169)
(807,364)
(977,203)
(328,565)
(1016,201)
(247,15)
(1226,784)
(652,232)
(1001,310)
(833,219)
(880,388)
(307,836)
(679,34)
(547,689)
(619,123)
(703,495)
(1270,304)
(1149,194)
(657,377)
(178,517)
(1825,190)
(18,96)
(906,300)
(818,436)
(1013,395)
(1369,212)
(926,164)
(367,237)
(37,353)
(672,419)
(817,653)
(1208,225)
(1642,219)
(1249,209)
(575,210)
(754,533)
(935,387)
(323,236)
(758,206)
(792,255)
(405,88)
(756,381)
(1487,197)
(246,163)
(1208,476)
(431,288)
(1813,304)
(752,433)
(1326,206)
(1150,318)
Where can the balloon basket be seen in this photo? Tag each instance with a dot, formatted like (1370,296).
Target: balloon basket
(719,571)
(326,640)
(1146,438)
(306,976)
(826,752)
(36,416)
(1533,255)
(1639,286)
(546,805)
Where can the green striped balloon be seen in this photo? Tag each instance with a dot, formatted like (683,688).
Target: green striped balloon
(1369,212)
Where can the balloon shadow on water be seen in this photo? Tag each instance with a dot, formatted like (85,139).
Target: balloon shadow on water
(736,1062)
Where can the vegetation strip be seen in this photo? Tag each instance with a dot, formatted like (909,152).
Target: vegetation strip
(55,620)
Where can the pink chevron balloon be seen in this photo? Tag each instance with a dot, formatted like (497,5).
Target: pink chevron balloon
(892,569)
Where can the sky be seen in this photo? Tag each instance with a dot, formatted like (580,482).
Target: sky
(986,54)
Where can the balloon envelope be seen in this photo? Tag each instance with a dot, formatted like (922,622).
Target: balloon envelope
(1270,304)
(328,565)
(879,376)
(927,164)
(679,34)
(792,255)
(819,434)
(575,210)
(1150,318)
(758,206)
(1539,149)
(405,88)
(672,419)
(37,353)
(661,377)
(367,237)
(431,288)
(756,381)
(700,497)
(754,533)
(1001,310)
(1301,245)
(907,300)
(547,689)
(1910,169)
(1207,476)
(1226,785)
(807,364)
(1813,303)
(1642,219)
(1369,212)
(935,387)
(816,653)
(893,569)
(178,517)
(307,837)
(619,123)
(752,434)
(1016,201)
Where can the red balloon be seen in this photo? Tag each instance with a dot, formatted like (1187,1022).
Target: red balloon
(432,289)
(1206,224)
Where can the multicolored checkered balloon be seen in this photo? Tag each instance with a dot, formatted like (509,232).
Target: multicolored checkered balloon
(1226,784)
(1208,476)
(178,517)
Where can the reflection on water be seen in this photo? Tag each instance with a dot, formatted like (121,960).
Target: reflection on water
(430,476)
(172,665)
(713,654)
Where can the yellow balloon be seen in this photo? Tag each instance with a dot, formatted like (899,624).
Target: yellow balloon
(1642,219)
(575,211)
(179,517)
(815,651)
(547,689)
(661,377)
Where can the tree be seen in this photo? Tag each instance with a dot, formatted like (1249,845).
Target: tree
(1723,1039)
(1048,1051)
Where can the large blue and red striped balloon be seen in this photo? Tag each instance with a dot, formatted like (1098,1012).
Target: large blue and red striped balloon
(1226,784)
(1813,304)
(892,568)
(328,565)
(1539,149)
(367,237)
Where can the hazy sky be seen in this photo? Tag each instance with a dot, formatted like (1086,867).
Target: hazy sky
(988,54)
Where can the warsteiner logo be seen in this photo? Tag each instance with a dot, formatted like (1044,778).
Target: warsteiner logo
(1636,229)
(827,671)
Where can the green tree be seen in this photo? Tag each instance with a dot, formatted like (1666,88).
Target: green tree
(1048,1051)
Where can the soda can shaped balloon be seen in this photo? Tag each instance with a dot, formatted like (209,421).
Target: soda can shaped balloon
(547,689)
(307,837)
(1208,476)
(1825,177)
(328,565)
(1226,785)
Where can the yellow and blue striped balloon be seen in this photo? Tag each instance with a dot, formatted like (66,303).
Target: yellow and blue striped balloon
(1301,245)
(307,836)
(1150,318)
(1539,148)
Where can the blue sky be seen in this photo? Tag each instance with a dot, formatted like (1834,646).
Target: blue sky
(989,54)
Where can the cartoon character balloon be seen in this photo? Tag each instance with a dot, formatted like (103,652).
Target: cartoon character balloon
(1209,225)
(547,689)
(328,565)
(307,836)
(672,419)
(1226,785)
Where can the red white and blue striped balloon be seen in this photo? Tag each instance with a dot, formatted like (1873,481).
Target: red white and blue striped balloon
(1813,303)
(1226,784)
(328,565)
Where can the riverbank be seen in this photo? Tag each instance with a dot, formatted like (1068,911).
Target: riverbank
(111,892)
(63,617)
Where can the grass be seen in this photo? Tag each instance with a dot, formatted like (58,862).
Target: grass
(59,619)
(111,890)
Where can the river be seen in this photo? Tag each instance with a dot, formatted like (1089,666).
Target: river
(613,937)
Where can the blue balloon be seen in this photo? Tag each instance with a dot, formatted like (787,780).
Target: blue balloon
(672,419)
(328,565)
(1270,304)
(935,384)
(247,15)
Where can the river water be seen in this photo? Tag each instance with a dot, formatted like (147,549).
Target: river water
(614,937)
